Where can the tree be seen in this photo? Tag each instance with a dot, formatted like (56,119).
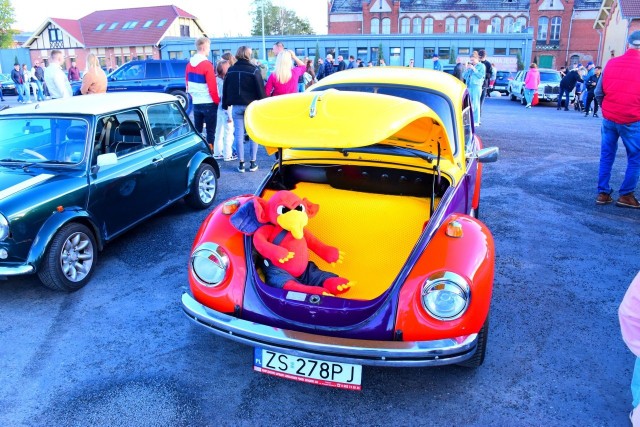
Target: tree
(520,64)
(6,21)
(380,53)
(277,20)
(452,55)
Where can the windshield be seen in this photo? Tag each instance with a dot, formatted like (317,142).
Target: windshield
(549,77)
(49,140)
(436,102)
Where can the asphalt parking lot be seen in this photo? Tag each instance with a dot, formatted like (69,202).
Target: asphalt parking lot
(120,351)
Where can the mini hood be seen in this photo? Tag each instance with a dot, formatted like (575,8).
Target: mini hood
(343,119)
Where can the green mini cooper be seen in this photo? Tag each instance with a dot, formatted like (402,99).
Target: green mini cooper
(77,172)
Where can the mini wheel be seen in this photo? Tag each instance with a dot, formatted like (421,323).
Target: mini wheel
(203,188)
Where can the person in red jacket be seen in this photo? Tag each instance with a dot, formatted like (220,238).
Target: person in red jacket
(618,92)
(202,86)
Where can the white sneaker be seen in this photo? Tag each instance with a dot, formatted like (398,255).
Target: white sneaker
(634,416)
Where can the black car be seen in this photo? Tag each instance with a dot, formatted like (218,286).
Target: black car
(151,75)
(502,81)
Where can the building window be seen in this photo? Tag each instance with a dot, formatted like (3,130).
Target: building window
(417,26)
(496,24)
(444,52)
(556,25)
(428,52)
(405,26)
(464,51)
(185,31)
(386,26)
(509,24)
(311,52)
(162,22)
(113,26)
(428,26)
(574,60)
(375,52)
(148,23)
(55,35)
(520,25)
(462,25)
(300,52)
(329,51)
(499,50)
(515,51)
(449,25)
(362,54)
(100,27)
(375,26)
(543,27)
(175,54)
(474,25)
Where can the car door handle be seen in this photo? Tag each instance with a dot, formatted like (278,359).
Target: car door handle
(157,160)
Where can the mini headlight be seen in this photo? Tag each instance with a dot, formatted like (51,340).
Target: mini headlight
(445,296)
(209,263)
(4,228)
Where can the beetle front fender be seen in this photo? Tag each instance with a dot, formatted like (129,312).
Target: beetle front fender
(470,256)
(51,227)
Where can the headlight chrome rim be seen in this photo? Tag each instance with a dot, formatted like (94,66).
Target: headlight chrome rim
(4,228)
(209,264)
(451,283)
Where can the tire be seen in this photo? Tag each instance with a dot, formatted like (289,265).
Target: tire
(522,100)
(203,188)
(183,98)
(478,357)
(512,97)
(70,259)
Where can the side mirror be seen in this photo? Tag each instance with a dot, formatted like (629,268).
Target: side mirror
(108,159)
(488,155)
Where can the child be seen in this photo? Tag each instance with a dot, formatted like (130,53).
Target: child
(629,314)
(222,147)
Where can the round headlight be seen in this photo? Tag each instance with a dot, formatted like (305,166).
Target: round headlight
(4,228)
(445,296)
(209,263)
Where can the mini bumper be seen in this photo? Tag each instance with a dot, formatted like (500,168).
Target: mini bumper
(364,352)
(16,270)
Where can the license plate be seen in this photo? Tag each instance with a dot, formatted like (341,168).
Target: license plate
(330,374)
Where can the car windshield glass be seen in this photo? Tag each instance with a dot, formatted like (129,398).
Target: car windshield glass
(433,100)
(549,77)
(47,140)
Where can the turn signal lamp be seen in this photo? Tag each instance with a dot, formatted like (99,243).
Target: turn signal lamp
(454,229)
(230,207)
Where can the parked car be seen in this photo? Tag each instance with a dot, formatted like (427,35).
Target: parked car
(502,81)
(150,75)
(8,86)
(76,173)
(392,160)
(548,89)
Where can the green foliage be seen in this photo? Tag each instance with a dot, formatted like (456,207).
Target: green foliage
(277,20)
(315,62)
(380,53)
(453,54)
(6,21)
(15,60)
(520,63)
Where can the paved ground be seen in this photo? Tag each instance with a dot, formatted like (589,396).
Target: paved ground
(120,351)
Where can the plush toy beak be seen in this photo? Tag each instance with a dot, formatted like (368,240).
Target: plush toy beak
(294,221)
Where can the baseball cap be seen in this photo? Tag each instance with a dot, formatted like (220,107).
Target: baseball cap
(589,63)
(634,38)
(435,55)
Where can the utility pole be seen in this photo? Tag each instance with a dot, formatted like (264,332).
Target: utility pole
(264,45)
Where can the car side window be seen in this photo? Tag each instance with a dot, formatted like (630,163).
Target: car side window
(167,122)
(121,133)
(467,125)
(153,70)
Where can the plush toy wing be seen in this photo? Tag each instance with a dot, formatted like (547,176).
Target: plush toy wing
(245,219)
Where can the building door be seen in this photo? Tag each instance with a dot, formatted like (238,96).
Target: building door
(546,61)
(409,54)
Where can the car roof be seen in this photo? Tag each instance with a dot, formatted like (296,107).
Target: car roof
(91,104)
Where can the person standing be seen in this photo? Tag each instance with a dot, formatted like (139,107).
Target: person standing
(352,62)
(629,316)
(284,79)
(618,93)
(38,78)
(95,79)
(242,85)
(341,64)
(223,145)
(201,85)
(74,72)
(474,77)
(26,77)
(487,78)
(327,68)
(309,75)
(591,84)
(436,62)
(18,81)
(567,84)
(458,70)
(531,83)
(54,77)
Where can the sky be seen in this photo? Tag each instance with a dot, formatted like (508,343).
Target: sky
(218,17)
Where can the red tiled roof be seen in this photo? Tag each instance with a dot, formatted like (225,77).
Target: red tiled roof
(630,8)
(70,26)
(137,36)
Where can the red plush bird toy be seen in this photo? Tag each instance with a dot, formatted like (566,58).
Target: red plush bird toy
(279,235)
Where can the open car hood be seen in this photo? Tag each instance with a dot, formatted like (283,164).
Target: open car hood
(342,119)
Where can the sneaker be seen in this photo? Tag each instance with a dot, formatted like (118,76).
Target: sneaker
(218,156)
(230,159)
(566,109)
(586,114)
(253,166)
(528,106)
(241,167)
(595,115)
(603,199)
(628,201)
(558,108)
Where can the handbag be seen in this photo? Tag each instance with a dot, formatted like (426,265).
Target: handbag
(536,99)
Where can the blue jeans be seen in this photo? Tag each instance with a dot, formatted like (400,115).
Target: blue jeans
(528,95)
(237,114)
(20,91)
(40,93)
(635,384)
(630,135)
(567,93)
(475,91)
(206,114)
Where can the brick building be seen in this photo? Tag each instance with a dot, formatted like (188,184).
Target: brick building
(616,20)
(563,29)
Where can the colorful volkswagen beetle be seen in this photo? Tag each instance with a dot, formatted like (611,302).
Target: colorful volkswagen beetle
(76,173)
(385,166)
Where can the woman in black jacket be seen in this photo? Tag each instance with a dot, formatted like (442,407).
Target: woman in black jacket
(243,84)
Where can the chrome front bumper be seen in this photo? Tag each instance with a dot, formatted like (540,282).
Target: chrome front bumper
(363,352)
(18,270)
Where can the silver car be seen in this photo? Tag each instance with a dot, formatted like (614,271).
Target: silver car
(548,90)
